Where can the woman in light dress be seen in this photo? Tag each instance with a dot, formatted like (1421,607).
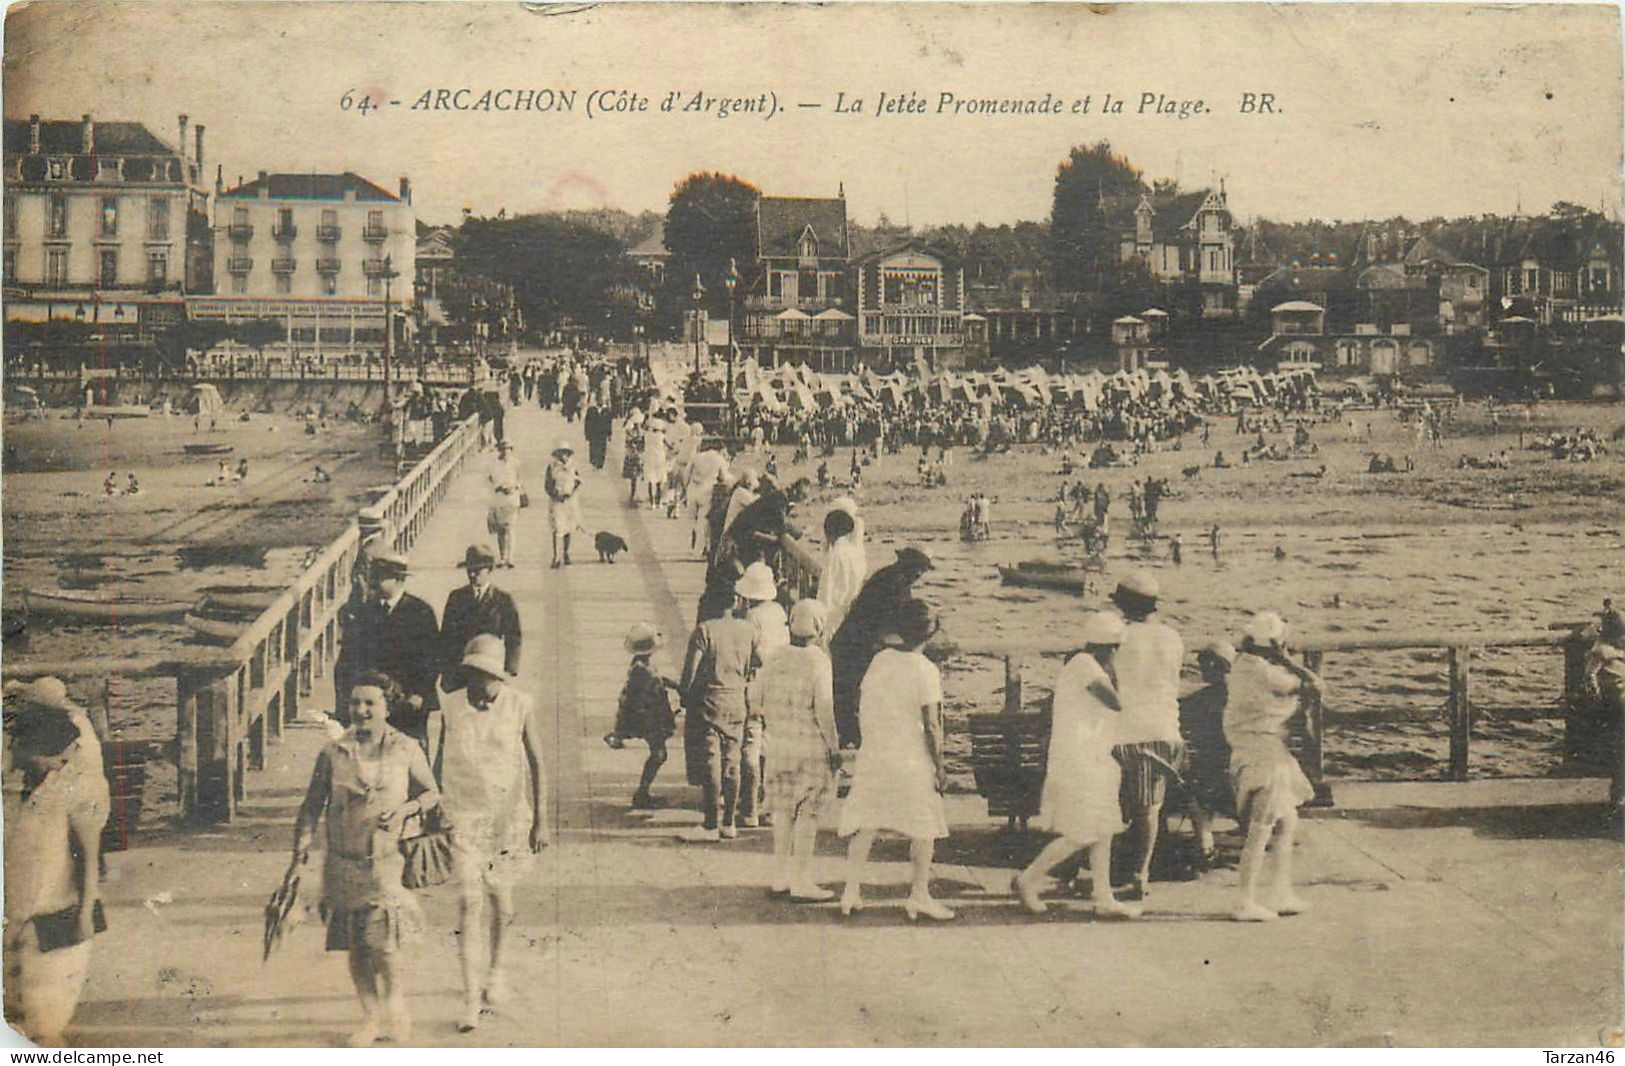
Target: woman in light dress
(1081,778)
(900,773)
(506,490)
(1265,688)
(655,465)
(367,782)
(846,565)
(793,694)
(492,775)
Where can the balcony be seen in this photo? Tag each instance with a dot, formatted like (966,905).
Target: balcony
(285,232)
(327,266)
(283,266)
(375,268)
(375,234)
(329,232)
(240,231)
(239,264)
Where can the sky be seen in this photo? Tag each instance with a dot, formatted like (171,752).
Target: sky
(1377,110)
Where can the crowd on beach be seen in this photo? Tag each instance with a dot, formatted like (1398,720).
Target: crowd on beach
(434,771)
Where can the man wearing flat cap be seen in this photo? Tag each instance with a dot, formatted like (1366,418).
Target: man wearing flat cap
(871,619)
(475,608)
(399,636)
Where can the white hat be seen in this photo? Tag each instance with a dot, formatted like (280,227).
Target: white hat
(1265,627)
(1103,628)
(757,583)
(485,654)
(45,692)
(1138,583)
(808,618)
(642,639)
(564,446)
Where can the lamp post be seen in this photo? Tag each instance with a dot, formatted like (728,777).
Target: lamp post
(731,280)
(699,294)
(390,274)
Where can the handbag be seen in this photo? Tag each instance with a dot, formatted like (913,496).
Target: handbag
(427,852)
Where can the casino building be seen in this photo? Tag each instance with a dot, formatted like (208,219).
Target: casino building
(911,311)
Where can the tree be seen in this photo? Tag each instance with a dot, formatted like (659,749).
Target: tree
(561,270)
(256,333)
(1089,185)
(710,220)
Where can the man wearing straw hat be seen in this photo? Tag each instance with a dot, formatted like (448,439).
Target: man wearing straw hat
(564,511)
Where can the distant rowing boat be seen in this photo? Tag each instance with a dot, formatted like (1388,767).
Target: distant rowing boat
(100,605)
(240,600)
(97,410)
(207,449)
(1058,580)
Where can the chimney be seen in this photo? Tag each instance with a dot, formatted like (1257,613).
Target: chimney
(88,136)
(33,135)
(406,190)
(219,179)
(183,142)
(199,133)
(265,185)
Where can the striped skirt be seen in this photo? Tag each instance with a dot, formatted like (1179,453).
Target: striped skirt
(1148,766)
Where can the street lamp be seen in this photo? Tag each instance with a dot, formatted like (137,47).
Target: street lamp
(699,294)
(390,274)
(731,280)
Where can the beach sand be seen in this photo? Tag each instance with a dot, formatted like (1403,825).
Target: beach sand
(1440,551)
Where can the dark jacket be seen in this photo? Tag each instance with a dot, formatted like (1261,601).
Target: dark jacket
(465,617)
(404,644)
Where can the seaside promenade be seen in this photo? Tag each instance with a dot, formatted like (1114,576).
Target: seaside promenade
(1482,913)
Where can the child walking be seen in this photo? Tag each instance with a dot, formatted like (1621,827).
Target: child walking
(645,711)
(1270,786)
(1082,779)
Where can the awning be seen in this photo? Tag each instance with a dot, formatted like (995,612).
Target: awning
(792,314)
(829,314)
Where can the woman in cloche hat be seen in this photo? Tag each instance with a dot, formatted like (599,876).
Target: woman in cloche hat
(493,783)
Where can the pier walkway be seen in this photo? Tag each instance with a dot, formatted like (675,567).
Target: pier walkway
(1486,912)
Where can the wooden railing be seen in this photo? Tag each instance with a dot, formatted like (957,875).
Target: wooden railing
(232,703)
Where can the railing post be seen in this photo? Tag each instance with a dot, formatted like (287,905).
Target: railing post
(207,727)
(1576,736)
(1460,710)
(1013,685)
(1314,740)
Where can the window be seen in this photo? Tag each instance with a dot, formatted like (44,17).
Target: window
(375,286)
(1531,279)
(284,220)
(56,266)
(375,221)
(330,285)
(108,275)
(239,284)
(284,284)
(808,247)
(158,219)
(807,285)
(775,284)
(157,269)
(10,269)
(56,216)
(871,324)
(11,217)
(109,216)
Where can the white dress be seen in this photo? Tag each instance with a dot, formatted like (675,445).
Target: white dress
(894,780)
(845,568)
(1081,779)
(1261,697)
(485,787)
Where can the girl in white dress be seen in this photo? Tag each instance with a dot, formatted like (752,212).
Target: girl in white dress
(846,565)
(493,787)
(506,490)
(1081,778)
(1264,690)
(900,773)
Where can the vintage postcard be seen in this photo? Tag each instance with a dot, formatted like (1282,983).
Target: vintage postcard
(878,524)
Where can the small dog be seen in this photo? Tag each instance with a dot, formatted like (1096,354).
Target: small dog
(1192,472)
(609,546)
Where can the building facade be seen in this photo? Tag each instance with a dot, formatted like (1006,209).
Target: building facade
(797,303)
(319,253)
(1185,238)
(105,225)
(911,310)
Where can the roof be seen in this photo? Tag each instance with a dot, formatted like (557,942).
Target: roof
(1308,279)
(948,260)
(311,187)
(67,138)
(1390,276)
(781,220)
(652,245)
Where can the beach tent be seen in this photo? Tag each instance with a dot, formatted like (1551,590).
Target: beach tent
(205,400)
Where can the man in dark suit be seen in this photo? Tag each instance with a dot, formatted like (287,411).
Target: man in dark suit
(870,620)
(475,608)
(399,637)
